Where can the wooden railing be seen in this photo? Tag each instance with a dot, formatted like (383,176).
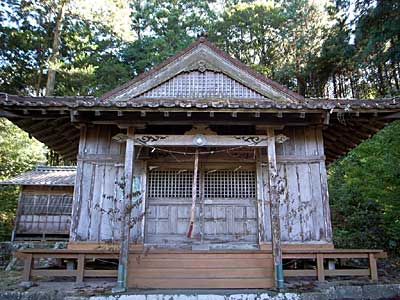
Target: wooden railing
(331,254)
(81,256)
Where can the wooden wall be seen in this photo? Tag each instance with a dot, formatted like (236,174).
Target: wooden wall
(304,208)
(100,165)
(304,204)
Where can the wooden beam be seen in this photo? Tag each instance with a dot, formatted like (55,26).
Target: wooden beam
(327,118)
(275,220)
(194,195)
(207,140)
(73,115)
(127,200)
(261,198)
(78,196)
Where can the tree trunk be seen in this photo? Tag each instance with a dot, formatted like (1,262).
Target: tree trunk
(51,73)
(394,74)
(335,95)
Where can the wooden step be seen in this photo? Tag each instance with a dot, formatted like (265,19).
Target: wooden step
(200,270)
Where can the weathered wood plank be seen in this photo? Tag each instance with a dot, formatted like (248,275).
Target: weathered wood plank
(28,260)
(201,283)
(80,268)
(78,197)
(190,263)
(275,219)
(306,203)
(208,273)
(127,200)
(207,140)
(347,272)
(260,199)
(294,204)
(320,267)
(372,267)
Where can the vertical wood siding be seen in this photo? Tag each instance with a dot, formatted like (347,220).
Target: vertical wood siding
(100,163)
(304,206)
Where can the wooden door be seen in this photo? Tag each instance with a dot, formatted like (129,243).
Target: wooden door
(226,210)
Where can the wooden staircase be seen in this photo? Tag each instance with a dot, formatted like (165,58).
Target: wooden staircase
(222,269)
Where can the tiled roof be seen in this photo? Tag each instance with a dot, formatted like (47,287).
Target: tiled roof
(54,176)
(91,102)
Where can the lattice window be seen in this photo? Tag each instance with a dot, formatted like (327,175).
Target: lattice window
(170,184)
(230,184)
(223,184)
(202,85)
(46,204)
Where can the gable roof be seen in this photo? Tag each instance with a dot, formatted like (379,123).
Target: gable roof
(203,56)
(183,83)
(44,175)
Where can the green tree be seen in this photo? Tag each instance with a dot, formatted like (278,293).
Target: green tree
(364,191)
(163,28)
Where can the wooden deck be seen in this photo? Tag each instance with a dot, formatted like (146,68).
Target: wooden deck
(200,269)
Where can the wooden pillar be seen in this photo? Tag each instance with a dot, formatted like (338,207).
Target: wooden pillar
(372,266)
(28,261)
(260,199)
(80,268)
(320,267)
(275,220)
(77,202)
(194,194)
(128,195)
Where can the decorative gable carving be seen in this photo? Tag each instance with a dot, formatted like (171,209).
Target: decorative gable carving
(202,84)
(202,72)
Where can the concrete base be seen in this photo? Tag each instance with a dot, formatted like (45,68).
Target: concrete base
(355,292)
(118,290)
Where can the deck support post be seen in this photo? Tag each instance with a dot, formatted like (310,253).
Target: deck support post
(28,262)
(128,195)
(320,267)
(274,200)
(372,266)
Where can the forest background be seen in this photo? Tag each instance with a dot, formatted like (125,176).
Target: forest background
(330,48)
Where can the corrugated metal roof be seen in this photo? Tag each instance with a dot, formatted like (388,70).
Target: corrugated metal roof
(43,175)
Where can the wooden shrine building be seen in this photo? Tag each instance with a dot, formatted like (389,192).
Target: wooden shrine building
(44,204)
(229,166)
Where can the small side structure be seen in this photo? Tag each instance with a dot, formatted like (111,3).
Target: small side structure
(45,203)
